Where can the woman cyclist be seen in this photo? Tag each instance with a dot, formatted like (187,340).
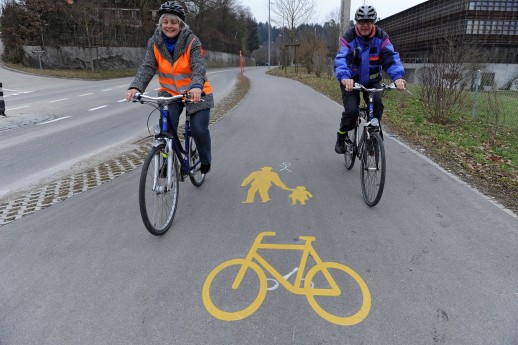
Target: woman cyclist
(177,55)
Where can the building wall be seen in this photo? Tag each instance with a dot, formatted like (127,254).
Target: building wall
(489,25)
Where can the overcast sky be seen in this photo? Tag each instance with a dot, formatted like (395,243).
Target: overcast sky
(385,8)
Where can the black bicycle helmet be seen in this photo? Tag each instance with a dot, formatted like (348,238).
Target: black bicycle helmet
(366,12)
(172,7)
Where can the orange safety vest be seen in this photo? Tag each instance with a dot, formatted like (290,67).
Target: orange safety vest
(177,77)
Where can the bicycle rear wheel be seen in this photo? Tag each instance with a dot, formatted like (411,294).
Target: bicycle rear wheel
(195,174)
(350,152)
(158,203)
(373,169)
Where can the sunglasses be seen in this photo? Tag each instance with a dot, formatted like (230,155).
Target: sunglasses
(365,22)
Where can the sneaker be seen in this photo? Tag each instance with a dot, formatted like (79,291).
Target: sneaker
(340,143)
(205,168)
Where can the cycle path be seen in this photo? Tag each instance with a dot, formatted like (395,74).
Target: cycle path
(438,258)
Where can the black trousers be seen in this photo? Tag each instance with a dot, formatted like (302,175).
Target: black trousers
(351,101)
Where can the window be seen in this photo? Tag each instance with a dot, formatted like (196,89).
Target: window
(469,27)
(496,5)
(493,27)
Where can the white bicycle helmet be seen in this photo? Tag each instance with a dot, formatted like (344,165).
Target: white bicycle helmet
(366,12)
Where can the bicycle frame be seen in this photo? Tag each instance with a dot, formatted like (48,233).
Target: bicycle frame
(174,144)
(296,287)
(360,139)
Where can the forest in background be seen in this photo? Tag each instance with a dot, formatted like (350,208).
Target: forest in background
(222,25)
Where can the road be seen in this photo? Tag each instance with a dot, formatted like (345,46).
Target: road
(55,123)
(437,260)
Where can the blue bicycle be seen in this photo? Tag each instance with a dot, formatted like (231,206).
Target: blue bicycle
(168,163)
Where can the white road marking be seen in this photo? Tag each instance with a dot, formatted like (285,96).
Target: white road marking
(93,109)
(25,106)
(58,100)
(61,118)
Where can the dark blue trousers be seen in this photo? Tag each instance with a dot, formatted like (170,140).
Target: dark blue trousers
(351,101)
(199,129)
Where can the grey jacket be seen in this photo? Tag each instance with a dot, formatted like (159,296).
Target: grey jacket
(148,68)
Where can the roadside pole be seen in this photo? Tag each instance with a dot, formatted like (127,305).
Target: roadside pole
(2,103)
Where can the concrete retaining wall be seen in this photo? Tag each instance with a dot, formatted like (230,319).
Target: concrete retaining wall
(105,58)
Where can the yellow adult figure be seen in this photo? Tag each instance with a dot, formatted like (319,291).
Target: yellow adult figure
(261,181)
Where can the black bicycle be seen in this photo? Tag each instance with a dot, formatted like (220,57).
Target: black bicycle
(365,141)
(168,163)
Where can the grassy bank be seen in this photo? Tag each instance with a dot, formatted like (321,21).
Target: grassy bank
(480,152)
(75,74)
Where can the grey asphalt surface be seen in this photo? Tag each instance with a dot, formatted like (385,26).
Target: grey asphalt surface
(55,123)
(440,259)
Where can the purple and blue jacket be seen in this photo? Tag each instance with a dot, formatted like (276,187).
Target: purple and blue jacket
(363,58)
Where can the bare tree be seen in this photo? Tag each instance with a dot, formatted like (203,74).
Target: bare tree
(448,79)
(320,59)
(292,14)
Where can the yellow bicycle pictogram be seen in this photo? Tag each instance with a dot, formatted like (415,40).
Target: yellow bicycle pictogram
(301,286)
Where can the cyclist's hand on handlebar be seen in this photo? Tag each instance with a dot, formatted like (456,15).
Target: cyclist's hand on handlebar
(195,94)
(400,84)
(348,84)
(131,94)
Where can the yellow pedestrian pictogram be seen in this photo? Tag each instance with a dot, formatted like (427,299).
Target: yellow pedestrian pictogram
(301,195)
(262,180)
(318,281)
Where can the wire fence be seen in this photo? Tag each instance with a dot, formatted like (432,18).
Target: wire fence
(494,104)
(486,97)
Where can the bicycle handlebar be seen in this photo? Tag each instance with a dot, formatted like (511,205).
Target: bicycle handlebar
(390,86)
(184,97)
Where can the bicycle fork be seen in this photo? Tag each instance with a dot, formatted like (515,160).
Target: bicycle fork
(160,189)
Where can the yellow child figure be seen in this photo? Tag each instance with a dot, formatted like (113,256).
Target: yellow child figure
(300,194)
(261,181)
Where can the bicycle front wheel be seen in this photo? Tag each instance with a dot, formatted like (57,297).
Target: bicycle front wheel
(353,293)
(243,300)
(158,203)
(195,174)
(373,169)
(350,152)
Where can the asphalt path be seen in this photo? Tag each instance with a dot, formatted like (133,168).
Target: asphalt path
(54,123)
(439,259)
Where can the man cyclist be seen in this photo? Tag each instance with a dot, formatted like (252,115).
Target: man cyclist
(364,51)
